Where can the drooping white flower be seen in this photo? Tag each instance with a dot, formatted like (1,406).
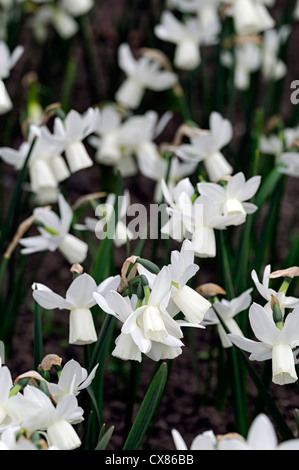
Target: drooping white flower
(159,169)
(73,378)
(78,300)
(272,66)
(54,234)
(182,268)
(143,73)
(138,134)
(261,436)
(9,441)
(61,15)
(206,148)
(7,61)
(290,164)
(266,292)
(273,343)
(248,59)
(207,217)
(179,210)
(250,16)
(185,35)
(147,329)
(231,199)
(205,441)
(72,131)
(228,309)
(36,412)
(272,145)
(207,15)
(7,417)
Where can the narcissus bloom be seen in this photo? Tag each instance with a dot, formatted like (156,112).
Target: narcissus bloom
(207,15)
(143,73)
(206,148)
(290,164)
(54,234)
(79,300)
(227,310)
(182,268)
(205,441)
(36,412)
(267,292)
(261,436)
(73,378)
(231,199)
(273,343)
(6,416)
(273,68)
(72,131)
(185,35)
(250,16)
(7,61)
(248,59)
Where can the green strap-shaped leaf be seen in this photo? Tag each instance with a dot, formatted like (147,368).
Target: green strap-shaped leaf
(105,439)
(147,409)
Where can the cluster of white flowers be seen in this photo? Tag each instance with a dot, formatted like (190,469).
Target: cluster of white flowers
(156,304)
(195,213)
(41,414)
(149,325)
(47,167)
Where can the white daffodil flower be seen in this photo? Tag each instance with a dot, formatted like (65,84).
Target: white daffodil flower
(185,35)
(248,59)
(205,441)
(261,436)
(147,329)
(206,148)
(266,292)
(54,234)
(206,218)
(228,309)
(179,210)
(78,300)
(274,68)
(77,7)
(159,169)
(7,417)
(231,199)
(62,16)
(138,133)
(182,268)
(72,131)
(106,213)
(143,73)
(36,412)
(73,378)
(271,145)
(290,164)
(106,140)
(273,343)
(207,15)
(8,440)
(7,61)
(47,168)
(250,16)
